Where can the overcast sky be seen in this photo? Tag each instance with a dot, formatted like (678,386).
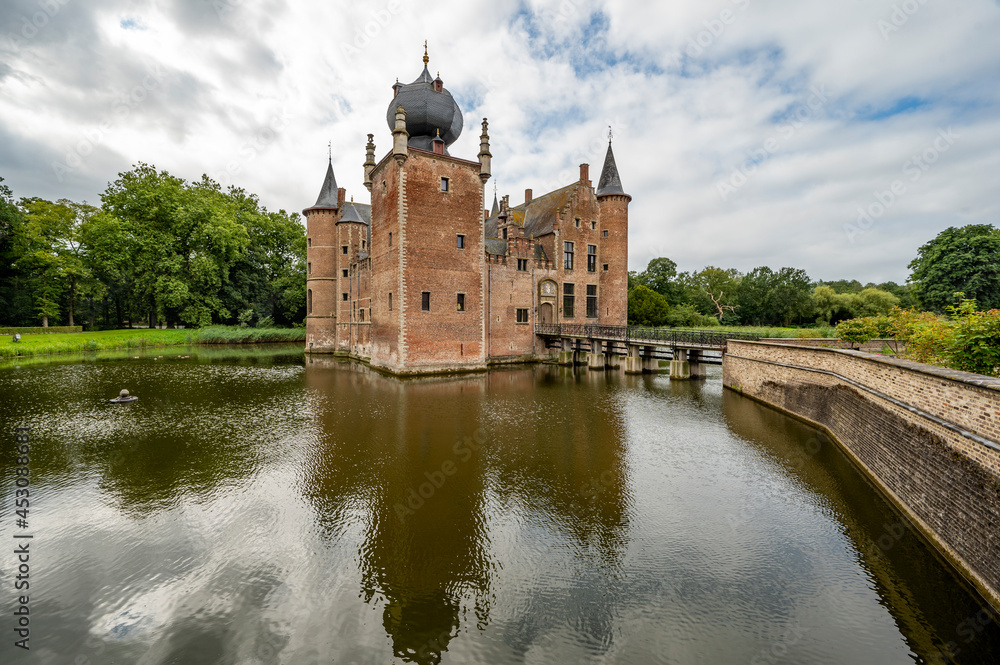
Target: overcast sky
(749,132)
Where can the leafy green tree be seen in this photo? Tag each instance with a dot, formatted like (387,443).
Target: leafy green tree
(179,242)
(646,307)
(903,292)
(873,302)
(831,307)
(16,302)
(958,260)
(660,275)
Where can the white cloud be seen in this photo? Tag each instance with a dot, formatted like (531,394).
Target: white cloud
(251,91)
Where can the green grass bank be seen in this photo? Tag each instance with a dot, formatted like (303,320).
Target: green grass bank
(103,340)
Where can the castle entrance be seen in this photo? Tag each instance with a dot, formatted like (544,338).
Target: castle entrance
(545,313)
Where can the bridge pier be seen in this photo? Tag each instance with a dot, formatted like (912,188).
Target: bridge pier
(633,363)
(567,355)
(650,364)
(612,360)
(595,359)
(698,368)
(680,367)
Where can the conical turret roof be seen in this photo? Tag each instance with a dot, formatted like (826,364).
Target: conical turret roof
(611,182)
(496,206)
(328,194)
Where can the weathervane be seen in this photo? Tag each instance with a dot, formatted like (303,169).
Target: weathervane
(610,135)
(426,59)
(329,150)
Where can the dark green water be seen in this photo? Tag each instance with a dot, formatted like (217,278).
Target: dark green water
(254,507)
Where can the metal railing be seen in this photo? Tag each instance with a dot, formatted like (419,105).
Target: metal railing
(640,334)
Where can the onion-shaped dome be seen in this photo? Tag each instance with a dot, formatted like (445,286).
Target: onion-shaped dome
(427,112)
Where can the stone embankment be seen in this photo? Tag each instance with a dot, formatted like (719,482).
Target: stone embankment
(926,436)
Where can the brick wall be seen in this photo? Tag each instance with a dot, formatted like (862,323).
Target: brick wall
(614,281)
(321,260)
(433,263)
(388,220)
(916,439)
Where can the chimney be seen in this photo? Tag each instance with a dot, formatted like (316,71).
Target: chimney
(527,196)
(585,173)
(341,196)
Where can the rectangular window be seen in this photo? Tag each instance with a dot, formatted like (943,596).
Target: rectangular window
(390,301)
(522,265)
(605,233)
(568,298)
(461,302)
(310,240)
(345,272)
(505,233)
(593,226)
(568,255)
(362,313)
(605,267)
(364,244)
(592,301)
(444,184)
(343,249)
(461,241)
(390,238)
(425,301)
(591,258)
(522,315)
(577,222)
(344,297)
(310,301)
(309,268)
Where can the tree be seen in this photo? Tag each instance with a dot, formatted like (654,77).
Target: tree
(755,296)
(660,275)
(958,260)
(831,307)
(646,307)
(714,292)
(179,242)
(15,296)
(873,302)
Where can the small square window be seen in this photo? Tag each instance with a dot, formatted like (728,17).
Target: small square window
(522,265)
(605,233)
(343,249)
(344,297)
(444,184)
(425,301)
(605,267)
(345,272)
(461,302)
(522,315)
(461,241)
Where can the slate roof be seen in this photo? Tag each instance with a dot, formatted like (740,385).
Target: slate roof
(611,182)
(538,216)
(328,194)
(496,246)
(427,111)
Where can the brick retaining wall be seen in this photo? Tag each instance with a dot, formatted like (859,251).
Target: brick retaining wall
(927,436)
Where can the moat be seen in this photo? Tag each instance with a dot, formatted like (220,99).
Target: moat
(255,506)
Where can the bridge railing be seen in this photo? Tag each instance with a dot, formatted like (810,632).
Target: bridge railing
(639,334)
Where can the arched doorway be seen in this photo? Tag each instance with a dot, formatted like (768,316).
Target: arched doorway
(545,313)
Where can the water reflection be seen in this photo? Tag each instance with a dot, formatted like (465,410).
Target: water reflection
(425,459)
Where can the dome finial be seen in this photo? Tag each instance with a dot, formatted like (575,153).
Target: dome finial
(426,59)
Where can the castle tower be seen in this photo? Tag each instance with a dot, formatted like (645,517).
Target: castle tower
(613,202)
(427,245)
(321,266)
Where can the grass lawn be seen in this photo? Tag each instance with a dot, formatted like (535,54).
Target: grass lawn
(793,333)
(143,338)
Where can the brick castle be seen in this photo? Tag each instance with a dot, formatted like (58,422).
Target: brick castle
(426,279)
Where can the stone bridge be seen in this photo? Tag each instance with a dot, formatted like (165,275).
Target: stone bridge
(601,347)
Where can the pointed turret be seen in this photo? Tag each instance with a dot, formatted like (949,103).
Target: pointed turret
(611,182)
(328,194)
(496,206)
